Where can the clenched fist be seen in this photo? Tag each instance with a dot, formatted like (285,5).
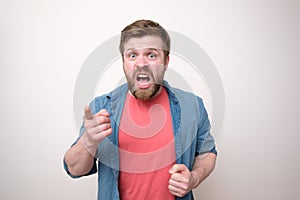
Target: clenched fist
(181,181)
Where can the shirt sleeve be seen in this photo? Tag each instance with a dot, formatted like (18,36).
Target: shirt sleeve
(92,171)
(205,140)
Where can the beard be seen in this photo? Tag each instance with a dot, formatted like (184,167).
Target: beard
(146,94)
(141,93)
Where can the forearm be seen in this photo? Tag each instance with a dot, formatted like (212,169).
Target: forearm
(80,158)
(203,166)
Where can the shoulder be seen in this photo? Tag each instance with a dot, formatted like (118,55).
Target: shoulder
(103,101)
(184,96)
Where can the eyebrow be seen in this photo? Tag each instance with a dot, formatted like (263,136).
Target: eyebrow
(151,49)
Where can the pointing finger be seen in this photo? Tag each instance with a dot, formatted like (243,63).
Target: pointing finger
(88,113)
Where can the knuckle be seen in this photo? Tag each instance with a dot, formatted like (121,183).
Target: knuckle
(104,127)
(99,129)
(184,186)
(185,180)
(88,127)
(100,120)
(106,133)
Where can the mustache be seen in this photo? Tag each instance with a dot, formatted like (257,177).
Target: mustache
(133,73)
(142,70)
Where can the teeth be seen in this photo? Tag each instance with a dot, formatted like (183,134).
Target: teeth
(142,76)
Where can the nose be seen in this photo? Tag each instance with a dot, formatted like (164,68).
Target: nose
(141,62)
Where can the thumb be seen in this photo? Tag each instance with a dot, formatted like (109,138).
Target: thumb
(177,168)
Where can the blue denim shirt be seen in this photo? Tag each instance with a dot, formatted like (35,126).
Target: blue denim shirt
(191,133)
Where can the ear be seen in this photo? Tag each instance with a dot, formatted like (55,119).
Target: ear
(167,59)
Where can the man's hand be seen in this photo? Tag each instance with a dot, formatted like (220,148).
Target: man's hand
(80,157)
(97,127)
(181,181)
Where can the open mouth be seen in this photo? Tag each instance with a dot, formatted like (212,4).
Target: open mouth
(143,81)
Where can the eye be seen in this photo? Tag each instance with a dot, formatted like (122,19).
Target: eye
(152,55)
(132,55)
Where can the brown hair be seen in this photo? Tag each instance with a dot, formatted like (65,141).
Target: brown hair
(141,28)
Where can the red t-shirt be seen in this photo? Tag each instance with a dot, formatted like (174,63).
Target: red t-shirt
(146,147)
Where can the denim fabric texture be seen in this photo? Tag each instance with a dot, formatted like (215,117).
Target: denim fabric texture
(191,134)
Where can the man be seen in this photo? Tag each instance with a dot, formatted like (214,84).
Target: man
(151,141)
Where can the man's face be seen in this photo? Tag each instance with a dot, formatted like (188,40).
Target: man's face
(144,65)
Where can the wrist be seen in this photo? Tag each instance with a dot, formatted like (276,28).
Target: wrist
(90,146)
(196,178)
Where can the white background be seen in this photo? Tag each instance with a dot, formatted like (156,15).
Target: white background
(255,46)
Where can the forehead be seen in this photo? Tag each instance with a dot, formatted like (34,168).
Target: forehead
(148,41)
